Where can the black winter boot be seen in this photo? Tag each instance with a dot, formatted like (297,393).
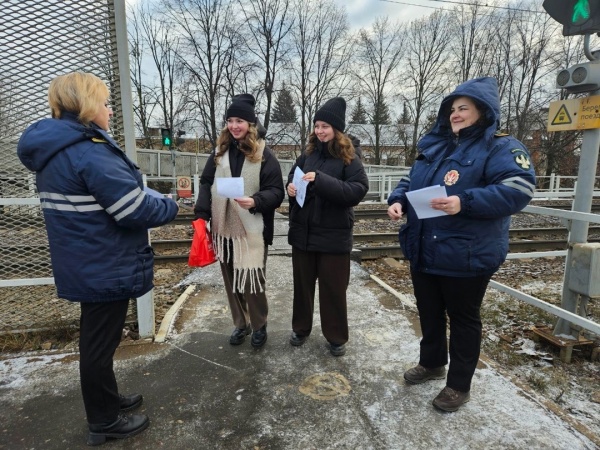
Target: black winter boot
(122,428)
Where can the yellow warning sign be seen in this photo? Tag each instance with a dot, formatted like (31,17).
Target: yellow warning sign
(562,116)
(574,114)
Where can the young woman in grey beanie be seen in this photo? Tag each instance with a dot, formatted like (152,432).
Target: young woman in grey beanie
(321,230)
(242,228)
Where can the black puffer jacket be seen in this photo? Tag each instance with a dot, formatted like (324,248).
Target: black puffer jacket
(325,222)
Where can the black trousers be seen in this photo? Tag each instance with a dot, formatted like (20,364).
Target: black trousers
(333,272)
(100,334)
(460,299)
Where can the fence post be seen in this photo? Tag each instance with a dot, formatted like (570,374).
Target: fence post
(145,313)
(196,187)
(124,79)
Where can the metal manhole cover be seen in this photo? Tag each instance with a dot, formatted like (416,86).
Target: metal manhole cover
(325,386)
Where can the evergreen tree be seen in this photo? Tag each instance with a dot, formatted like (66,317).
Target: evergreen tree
(359,115)
(382,114)
(405,117)
(284,110)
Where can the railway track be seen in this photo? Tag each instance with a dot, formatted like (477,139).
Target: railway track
(361,238)
(381,213)
(374,251)
(368,244)
(371,245)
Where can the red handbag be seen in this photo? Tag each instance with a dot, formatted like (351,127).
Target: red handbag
(202,252)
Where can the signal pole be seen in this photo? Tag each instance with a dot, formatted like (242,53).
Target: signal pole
(580,17)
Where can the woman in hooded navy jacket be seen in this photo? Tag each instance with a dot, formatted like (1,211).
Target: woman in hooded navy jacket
(488,177)
(321,230)
(97,216)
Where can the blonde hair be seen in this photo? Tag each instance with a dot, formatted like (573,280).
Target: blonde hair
(79,93)
(339,147)
(248,146)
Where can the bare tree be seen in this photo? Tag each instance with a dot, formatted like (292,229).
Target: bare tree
(144,98)
(164,48)
(320,56)
(471,46)
(557,150)
(530,59)
(427,40)
(379,54)
(269,23)
(206,52)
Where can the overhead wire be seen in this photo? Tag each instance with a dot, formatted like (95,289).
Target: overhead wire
(461,3)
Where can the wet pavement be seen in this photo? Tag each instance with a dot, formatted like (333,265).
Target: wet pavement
(202,393)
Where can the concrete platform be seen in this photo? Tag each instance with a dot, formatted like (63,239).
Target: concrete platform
(202,393)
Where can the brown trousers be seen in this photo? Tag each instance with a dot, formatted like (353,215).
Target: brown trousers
(246,308)
(333,272)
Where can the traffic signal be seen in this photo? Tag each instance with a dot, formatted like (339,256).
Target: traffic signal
(576,16)
(580,78)
(166,137)
(179,141)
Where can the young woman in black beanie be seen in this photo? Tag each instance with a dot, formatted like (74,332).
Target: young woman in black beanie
(321,230)
(242,228)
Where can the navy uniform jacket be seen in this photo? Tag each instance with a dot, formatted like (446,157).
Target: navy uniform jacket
(492,175)
(96,211)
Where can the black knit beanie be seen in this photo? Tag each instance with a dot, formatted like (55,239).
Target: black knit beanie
(333,112)
(242,106)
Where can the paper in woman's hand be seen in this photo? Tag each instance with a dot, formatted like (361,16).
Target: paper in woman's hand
(230,187)
(300,185)
(421,199)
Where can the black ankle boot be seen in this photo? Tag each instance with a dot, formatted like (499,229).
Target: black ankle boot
(239,335)
(129,402)
(259,337)
(122,428)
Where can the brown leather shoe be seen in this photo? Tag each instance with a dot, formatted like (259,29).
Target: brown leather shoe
(450,399)
(420,374)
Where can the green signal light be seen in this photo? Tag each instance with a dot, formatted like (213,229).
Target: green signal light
(167,141)
(581,12)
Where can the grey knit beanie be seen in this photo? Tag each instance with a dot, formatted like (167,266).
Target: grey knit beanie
(333,112)
(242,106)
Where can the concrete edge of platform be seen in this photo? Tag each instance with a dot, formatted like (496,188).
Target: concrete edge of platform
(171,314)
(403,298)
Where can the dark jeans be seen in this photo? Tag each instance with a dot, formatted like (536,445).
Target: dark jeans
(333,272)
(461,299)
(101,330)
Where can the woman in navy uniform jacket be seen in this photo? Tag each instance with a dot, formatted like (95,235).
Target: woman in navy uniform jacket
(488,177)
(97,216)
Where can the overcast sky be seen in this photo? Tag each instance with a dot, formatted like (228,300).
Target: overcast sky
(362,13)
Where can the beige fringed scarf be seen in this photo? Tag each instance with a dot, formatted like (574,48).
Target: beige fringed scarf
(245,230)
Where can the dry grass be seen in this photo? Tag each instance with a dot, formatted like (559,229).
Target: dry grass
(58,337)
